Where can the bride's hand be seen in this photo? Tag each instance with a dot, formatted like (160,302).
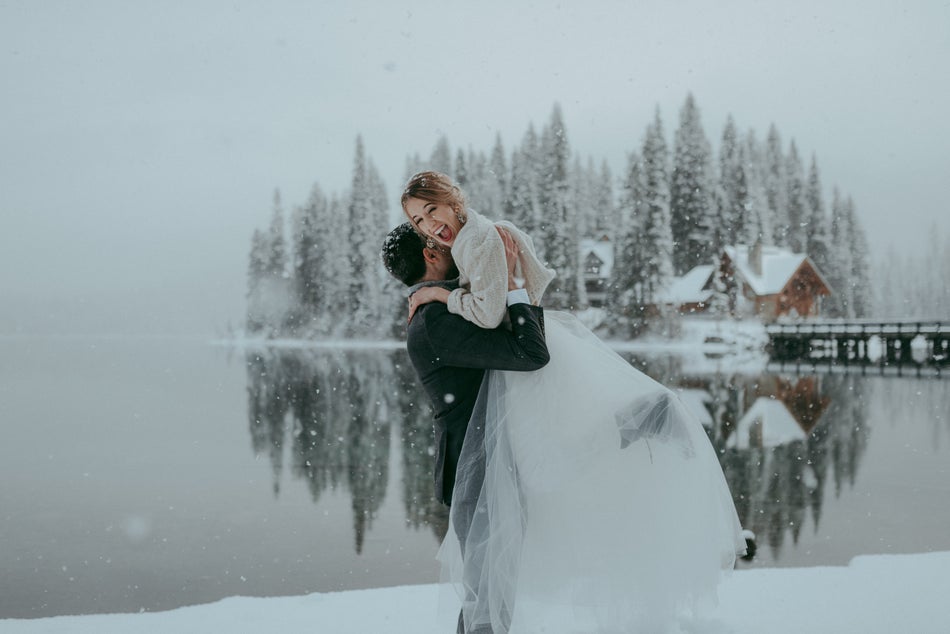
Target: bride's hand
(512,253)
(425,295)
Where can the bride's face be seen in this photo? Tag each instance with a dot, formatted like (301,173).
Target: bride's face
(436,220)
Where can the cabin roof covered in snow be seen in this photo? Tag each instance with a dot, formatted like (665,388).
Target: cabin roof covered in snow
(778,267)
(689,288)
(603,249)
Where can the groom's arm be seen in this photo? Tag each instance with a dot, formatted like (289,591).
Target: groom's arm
(460,343)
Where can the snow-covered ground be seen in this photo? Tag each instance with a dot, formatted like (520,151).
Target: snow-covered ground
(874,594)
(706,345)
(724,335)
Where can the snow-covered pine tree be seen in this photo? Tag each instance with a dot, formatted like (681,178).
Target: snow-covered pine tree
(441,158)
(942,271)
(531,160)
(561,242)
(358,214)
(367,223)
(656,255)
(386,296)
(623,301)
(338,271)
(692,194)
(734,202)
(817,245)
(414,165)
(279,289)
(310,252)
(481,190)
(520,206)
(937,279)
(583,209)
(756,172)
(889,273)
(797,206)
(776,188)
(860,263)
(461,175)
(391,307)
(911,288)
(497,179)
(256,272)
(594,199)
(582,191)
(270,295)
(277,243)
(258,259)
(606,217)
(841,302)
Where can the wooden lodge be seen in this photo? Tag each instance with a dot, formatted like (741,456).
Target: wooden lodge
(597,257)
(764,281)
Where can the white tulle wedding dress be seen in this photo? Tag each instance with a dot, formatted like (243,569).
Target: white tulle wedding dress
(603,507)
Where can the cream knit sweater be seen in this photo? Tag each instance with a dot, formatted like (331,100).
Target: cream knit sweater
(479,254)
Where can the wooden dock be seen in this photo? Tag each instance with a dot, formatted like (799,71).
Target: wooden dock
(864,342)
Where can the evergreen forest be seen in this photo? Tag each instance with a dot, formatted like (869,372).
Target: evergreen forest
(315,271)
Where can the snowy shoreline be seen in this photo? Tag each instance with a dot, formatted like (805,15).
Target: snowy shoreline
(709,333)
(873,594)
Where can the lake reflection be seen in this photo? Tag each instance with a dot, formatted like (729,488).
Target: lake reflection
(782,441)
(790,446)
(332,413)
(150,474)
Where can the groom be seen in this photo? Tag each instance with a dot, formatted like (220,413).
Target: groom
(450,356)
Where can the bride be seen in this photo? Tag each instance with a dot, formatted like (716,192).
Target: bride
(603,506)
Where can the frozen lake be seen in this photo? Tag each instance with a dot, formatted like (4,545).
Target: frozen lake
(146,474)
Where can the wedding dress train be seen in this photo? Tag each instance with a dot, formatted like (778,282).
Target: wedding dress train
(603,506)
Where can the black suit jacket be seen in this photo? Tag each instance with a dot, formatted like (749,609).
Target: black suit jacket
(450,356)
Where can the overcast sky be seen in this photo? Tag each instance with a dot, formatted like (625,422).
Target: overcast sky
(140,142)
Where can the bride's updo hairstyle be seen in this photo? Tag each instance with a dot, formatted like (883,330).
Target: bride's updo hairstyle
(435,187)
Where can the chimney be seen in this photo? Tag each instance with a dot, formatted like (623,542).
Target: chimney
(755,257)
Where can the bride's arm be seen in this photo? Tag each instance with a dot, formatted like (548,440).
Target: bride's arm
(483,262)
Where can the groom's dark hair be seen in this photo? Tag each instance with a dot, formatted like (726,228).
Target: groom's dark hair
(402,254)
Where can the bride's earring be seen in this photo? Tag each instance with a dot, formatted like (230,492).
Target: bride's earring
(430,243)
(461,217)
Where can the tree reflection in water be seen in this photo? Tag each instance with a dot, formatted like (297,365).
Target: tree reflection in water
(329,413)
(780,439)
